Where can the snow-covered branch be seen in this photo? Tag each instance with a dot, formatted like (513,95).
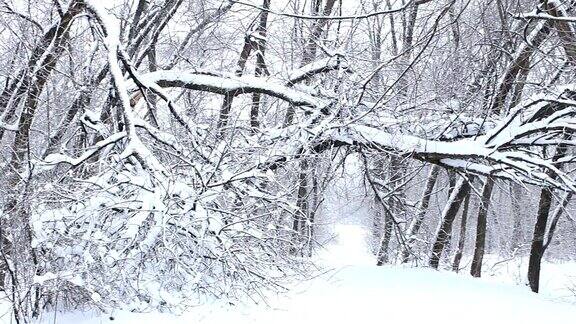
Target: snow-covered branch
(112,42)
(223,83)
(320,66)
(55,159)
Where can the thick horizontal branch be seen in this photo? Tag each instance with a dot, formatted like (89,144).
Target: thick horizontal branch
(222,83)
(545,17)
(469,155)
(465,155)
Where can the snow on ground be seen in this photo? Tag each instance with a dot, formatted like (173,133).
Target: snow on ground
(370,294)
(343,228)
(354,290)
(557,279)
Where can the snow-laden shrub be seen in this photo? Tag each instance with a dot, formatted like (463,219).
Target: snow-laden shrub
(129,238)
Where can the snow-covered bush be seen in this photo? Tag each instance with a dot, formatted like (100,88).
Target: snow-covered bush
(124,239)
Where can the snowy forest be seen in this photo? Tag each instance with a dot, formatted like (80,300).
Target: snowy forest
(157,152)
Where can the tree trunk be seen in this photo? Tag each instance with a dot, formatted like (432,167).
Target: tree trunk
(480,246)
(537,249)
(522,57)
(382,257)
(395,207)
(462,237)
(397,169)
(307,57)
(448,215)
(260,65)
(309,53)
(19,255)
(250,44)
(299,221)
(421,211)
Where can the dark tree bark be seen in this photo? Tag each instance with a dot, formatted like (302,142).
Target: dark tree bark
(383,212)
(448,215)
(567,37)
(260,65)
(462,237)
(78,105)
(407,40)
(563,28)
(476,269)
(382,256)
(309,53)
(537,248)
(250,44)
(142,4)
(301,216)
(515,67)
(397,165)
